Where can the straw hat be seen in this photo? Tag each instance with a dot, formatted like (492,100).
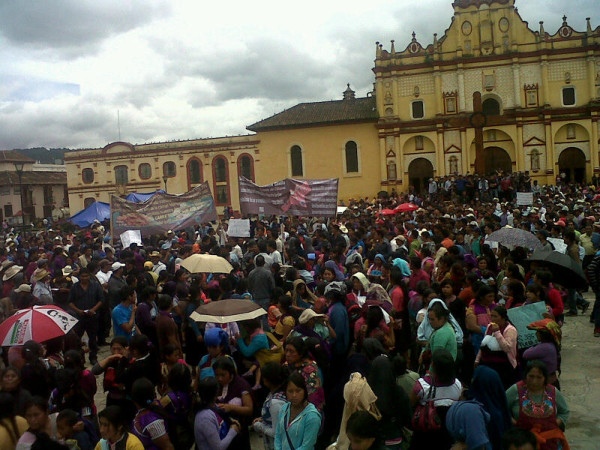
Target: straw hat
(40,274)
(11,272)
(307,315)
(67,270)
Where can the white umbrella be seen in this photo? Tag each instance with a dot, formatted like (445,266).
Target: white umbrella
(206,264)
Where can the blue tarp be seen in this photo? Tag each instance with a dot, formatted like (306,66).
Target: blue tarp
(96,211)
(137,197)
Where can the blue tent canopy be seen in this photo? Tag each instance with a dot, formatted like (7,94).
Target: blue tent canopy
(96,211)
(138,197)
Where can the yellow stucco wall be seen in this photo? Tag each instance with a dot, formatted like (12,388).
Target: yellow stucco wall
(323,156)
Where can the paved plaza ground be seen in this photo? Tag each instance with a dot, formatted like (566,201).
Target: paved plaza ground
(580,383)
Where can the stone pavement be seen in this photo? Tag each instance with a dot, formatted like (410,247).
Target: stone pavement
(580,383)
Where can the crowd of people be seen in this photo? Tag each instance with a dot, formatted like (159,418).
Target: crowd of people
(382,331)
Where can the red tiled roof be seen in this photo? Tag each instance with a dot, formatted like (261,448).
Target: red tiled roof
(321,113)
(14,156)
(33,178)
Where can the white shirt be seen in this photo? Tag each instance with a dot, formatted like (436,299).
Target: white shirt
(276,257)
(103,277)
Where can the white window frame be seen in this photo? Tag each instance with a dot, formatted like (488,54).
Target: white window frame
(411,109)
(574,95)
(344,162)
(289,152)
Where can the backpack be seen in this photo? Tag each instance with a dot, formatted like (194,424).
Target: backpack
(272,354)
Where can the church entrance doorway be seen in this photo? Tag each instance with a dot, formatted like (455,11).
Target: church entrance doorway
(497,158)
(420,170)
(571,163)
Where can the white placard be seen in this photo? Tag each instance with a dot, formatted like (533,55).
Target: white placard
(239,228)
(524,198)
(130,237)
(341,209)
(559,244)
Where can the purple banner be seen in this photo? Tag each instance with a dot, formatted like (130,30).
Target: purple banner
(163,212)
(290,197)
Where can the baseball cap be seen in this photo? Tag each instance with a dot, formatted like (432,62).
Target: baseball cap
(116,266)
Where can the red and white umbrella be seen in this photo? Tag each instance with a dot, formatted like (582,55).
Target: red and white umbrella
(406,207)
(38,323)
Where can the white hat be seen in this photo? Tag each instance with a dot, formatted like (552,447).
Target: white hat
(23,288)
(343,229)
(117,265)
(307,315)
(11,272)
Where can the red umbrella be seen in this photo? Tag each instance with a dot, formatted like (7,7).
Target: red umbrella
(38,323)
(387,212)
(406,207)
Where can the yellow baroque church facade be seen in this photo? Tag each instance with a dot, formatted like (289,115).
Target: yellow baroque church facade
(538,111)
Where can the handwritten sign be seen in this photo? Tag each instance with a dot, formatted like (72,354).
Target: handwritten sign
(239,228)
(131,237)
(522,316)
(524,198)
(559,244)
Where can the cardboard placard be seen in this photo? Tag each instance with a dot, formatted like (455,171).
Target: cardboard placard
(239,228)
(130,237)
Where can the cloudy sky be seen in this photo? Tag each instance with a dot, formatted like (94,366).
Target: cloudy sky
(184,69)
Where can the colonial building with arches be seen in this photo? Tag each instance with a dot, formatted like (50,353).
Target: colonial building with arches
(538,111)
(120,168)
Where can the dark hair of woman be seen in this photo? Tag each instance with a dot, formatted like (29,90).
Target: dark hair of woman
(114,415)
(483,291)
(207,392)
(536,364)
(225,363)
(140,344)
(439,311)
(298,380)
(74,360)
(285,303)
(443,366)
(39,402)
(180,378)
(121,340)
(363,425)
(518,438)
(142,393)
(373,319)
(298,343)
(7,417)
(275,374)
(501,311)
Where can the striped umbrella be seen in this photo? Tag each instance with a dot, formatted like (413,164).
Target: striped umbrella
(38,323)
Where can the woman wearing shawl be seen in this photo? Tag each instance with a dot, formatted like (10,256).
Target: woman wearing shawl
(392,401)
(426,330)
(302,297)
(548,350)
(339,276)
(486,388)
(376,269)
(478,315)
(466,423)
(360,286)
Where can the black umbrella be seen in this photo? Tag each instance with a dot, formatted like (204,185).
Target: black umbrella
(565,271)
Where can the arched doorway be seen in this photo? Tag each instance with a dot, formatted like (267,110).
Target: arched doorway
(490,107)
(420,170)
(572,163)
(496,159)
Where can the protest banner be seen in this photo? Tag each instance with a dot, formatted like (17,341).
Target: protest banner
(163,212)
(239,228)
(290,197)
(131,237)
(524,198)
(522,316)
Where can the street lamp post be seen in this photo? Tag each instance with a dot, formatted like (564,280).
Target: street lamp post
(19,169)
(165,178)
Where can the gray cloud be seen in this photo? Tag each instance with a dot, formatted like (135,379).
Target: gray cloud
(73,26)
